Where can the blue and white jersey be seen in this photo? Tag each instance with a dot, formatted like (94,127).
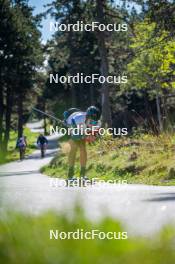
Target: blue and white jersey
(76,119)
(79,124)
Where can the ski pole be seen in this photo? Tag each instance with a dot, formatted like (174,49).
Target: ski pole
(48,115)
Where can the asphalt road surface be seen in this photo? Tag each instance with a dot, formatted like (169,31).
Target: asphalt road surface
(142,209)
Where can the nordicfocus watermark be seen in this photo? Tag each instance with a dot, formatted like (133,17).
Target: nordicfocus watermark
(80,26)
(81,182)
(81,78)
(81,234)
(81,130)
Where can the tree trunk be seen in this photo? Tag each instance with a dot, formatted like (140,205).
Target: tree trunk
(72,67)
(159,117)
(1,115)
(8,112)
(20,115)
(106,111)
(74,99)
(92,99)
(45,119)
(165,120)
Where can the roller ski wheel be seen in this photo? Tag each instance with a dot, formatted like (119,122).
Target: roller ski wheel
(86,181)
(70,181)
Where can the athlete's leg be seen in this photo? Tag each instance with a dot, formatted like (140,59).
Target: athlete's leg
(83,157)
(21,153)
(72,157)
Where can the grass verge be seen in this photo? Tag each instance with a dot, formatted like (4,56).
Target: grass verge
(142,159)
(13,152)
(25,239)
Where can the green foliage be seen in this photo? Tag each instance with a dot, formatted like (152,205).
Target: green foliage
(145,53)
(153,66)
(25,239)
(72,52)
(20,56)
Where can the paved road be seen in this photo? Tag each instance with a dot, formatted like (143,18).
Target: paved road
(142,209)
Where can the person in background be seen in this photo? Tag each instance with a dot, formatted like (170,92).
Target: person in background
(21,144)
(42,143)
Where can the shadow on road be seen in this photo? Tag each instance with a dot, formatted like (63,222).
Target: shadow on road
(163,197)
(38,155)
(165,193)
(6,174)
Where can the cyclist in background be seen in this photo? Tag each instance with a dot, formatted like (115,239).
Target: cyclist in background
(42,143)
